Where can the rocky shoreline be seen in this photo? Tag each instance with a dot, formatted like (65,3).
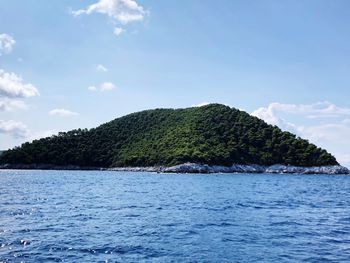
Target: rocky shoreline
(237,168)
(197,168)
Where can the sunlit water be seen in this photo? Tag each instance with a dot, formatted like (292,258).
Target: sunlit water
(92,216)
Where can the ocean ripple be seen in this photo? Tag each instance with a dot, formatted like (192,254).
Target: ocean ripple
(100,216)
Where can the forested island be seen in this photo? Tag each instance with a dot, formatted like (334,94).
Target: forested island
(214,135)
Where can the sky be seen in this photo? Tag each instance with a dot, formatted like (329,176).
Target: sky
(67,64)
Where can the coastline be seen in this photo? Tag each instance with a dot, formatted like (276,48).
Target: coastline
(195,168)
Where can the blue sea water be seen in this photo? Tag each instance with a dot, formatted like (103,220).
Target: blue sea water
(101,216)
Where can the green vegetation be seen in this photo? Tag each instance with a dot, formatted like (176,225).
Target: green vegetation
(212,134)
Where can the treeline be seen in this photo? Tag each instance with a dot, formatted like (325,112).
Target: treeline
(212,134)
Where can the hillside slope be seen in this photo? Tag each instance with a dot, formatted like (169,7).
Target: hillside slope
(212,134)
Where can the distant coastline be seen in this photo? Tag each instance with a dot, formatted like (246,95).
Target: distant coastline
(195,168)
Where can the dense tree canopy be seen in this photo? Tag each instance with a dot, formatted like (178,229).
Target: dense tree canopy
(212,134)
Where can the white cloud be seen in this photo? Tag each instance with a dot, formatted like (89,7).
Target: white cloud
(331,132)
(14,128)
(92,88)
(107,86)
(12,86)
(323,109)
(319,111)
(101,68)
(7,104)
(62,113)
(268,115)
(120,11)
(6,43)
(201,104)
(118,30)
(323,123)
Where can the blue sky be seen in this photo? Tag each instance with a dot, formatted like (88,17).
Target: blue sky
(75,64)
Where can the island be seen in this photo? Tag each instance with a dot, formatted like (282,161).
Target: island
(207,139)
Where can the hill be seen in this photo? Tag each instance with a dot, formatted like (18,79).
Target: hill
(214,134)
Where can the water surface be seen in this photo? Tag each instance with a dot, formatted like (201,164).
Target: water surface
(100,216)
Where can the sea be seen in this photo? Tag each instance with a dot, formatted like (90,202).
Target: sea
(108,216)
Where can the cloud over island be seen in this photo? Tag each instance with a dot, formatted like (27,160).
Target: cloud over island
(323,123)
